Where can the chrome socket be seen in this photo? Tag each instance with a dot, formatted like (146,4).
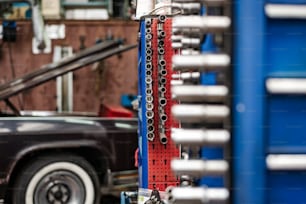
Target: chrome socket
(162,18)
(162,101)
(148,44)
(199,168)
(162,80)
(196,137)
(149,36)
(163,117)
(149,114)
(200,113)
(198,93)
(198,195)
(162,138)
(150,121)
(162,89)
(148,80)
(148,22)
(149,51)
(161,34)
(162,62)
(161,51)
(148,30)
(150,136)
(204,23)
(163,72)
(149,99)
(148,72)
(161,43)
(149,91)
(200,62)
(150,128)
(149,65)
(148,58)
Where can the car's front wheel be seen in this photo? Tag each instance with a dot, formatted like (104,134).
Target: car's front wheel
(57,179)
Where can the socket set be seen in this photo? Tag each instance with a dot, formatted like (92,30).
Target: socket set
(201,86)
(155,71)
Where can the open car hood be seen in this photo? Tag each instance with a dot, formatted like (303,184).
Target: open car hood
(50,71)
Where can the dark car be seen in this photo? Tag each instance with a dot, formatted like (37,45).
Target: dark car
(62,159)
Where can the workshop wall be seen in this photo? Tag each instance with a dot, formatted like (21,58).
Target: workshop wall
(101,82)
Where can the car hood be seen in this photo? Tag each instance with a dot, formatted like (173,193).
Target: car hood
(50,71)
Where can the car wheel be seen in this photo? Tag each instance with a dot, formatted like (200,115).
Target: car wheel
(57,179)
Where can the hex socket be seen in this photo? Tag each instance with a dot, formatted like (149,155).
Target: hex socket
(150,136)
(161,43)
(148,22)
(162,62)
(163,117)
(148,72)
(162,89)
(163,72)
(150,121)
(162,138)
(148,80)
(162,80)
(148,30)
(161,51)
(149,51)
(149,66)
(162,18)
(150,128)
(162,101)
(161,34)
(149,36)
(148,58)
(149,114)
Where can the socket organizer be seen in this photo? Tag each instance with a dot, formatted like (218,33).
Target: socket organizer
(201,88)
(156,149)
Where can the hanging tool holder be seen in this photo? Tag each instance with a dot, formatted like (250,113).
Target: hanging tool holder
(202,90)
(156,149)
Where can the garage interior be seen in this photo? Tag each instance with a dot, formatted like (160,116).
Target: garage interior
(152,102)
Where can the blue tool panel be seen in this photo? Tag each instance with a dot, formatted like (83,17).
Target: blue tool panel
(287,187)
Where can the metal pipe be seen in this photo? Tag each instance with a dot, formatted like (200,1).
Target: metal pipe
(281,162)
(196,137)
(198,195)
(200,113)
(200,62)
(199,168)
(197,93)
(286,85)
(192,7)
(207,2)
(204,23)
(285,11)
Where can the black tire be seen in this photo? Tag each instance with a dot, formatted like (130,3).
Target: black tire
(65,178)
